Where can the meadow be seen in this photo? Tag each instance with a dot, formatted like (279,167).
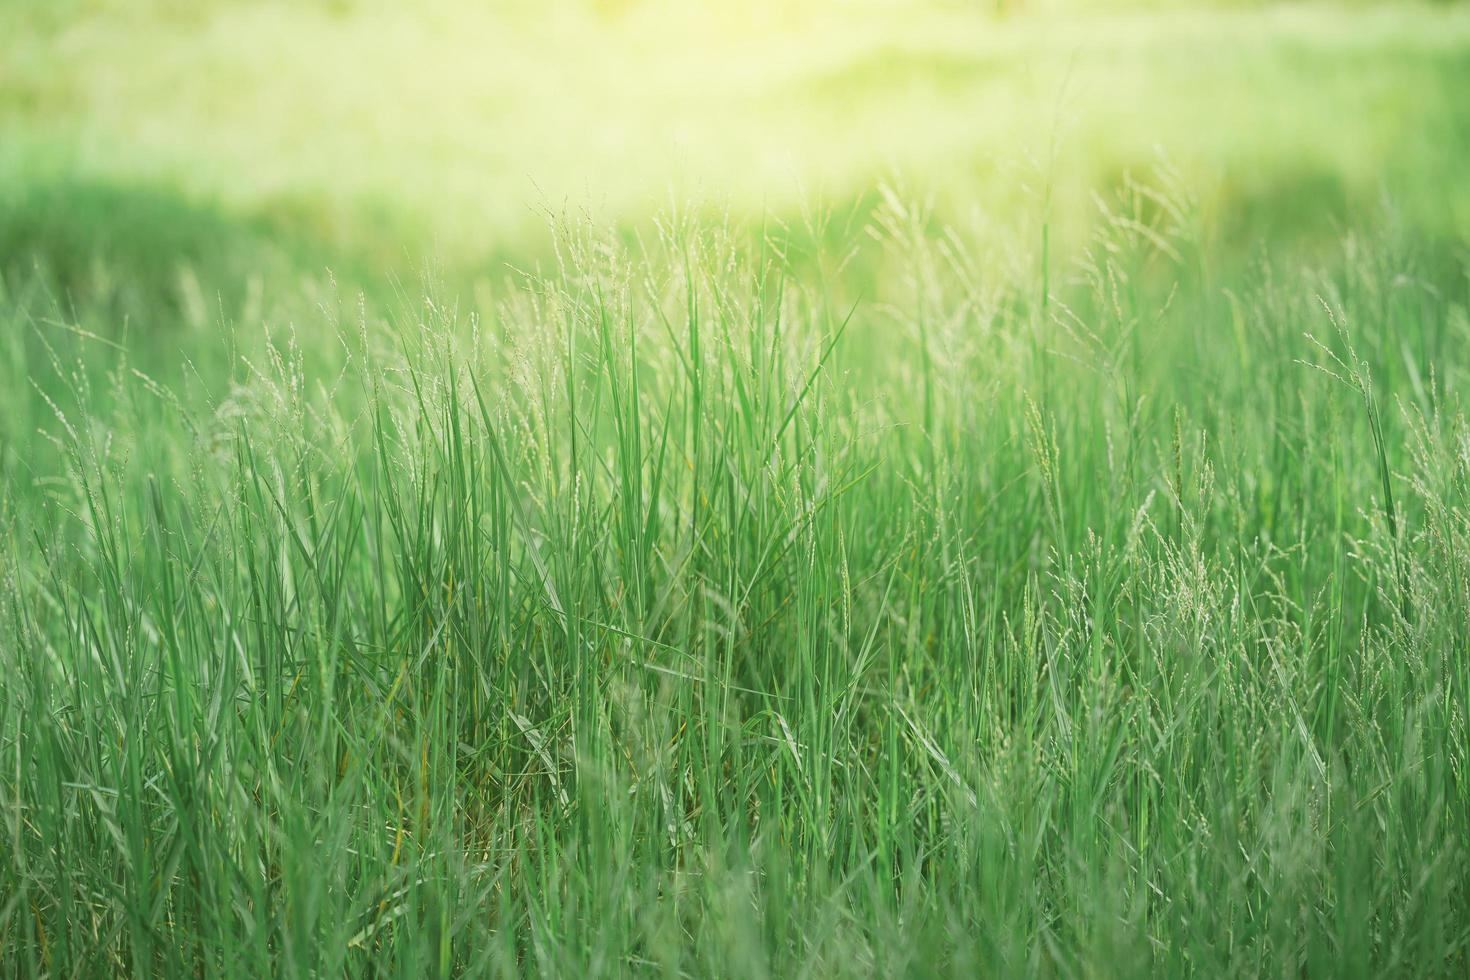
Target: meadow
(630,488)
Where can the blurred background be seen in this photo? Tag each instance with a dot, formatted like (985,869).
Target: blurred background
(154,150)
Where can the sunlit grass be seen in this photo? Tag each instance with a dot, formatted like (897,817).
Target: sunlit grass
(677,616)
(447,129)
(941,493)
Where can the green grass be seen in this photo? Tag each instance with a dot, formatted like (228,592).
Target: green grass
(873,588)
(445,131)
(678,616)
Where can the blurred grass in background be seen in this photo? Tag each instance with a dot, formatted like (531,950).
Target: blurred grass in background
(444,130)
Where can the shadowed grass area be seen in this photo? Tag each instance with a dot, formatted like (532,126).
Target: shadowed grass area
(135,250)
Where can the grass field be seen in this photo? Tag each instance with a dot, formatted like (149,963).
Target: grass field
(844,489)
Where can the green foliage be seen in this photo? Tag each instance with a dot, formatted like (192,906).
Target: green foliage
(137,251)
(1065,575)
(673,615)
(445,130)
